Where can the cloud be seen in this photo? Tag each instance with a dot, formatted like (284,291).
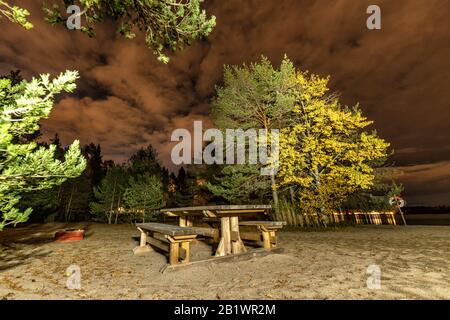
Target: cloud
(427,184)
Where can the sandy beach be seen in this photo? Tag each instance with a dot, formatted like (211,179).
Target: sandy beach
(414,263)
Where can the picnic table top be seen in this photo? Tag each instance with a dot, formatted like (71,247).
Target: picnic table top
(217,211)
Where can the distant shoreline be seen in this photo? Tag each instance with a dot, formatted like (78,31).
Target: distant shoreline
(429,219)
(426,209)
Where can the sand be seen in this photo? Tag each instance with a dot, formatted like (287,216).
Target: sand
(414,263)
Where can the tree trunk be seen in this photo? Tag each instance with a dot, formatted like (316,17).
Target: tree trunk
(118,206)
(112,203)
(320,215)
(60,213)
(292,194)
(274,195)
(293,217)
(69,204)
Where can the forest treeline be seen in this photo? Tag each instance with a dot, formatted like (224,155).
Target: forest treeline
(115,192)
(136,189)
(329,160)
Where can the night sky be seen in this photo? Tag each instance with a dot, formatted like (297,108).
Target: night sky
(126,99)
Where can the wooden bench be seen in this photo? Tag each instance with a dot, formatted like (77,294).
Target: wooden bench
(268,231)
(172,239)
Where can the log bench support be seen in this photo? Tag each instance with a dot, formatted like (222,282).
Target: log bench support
(186,221)
(174,240)
(230,240)
(177,247)
(269,237)
(143,246)
(268,230)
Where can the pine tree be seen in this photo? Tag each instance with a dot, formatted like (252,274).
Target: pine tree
(184,196)
(144,195)
(46,203)
(236,184)
(109,194)
(145,161)
(25,167)
(95,168)
(258,96)
(167,24)
(75,196)
(15,14)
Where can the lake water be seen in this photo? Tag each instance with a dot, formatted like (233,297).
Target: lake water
(428,219)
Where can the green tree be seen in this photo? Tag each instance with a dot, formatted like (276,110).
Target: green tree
(185,189)
(46,203)
(25,167)
(59,152)
(167,24)
(237,183)
(75,196)
(255,96)
(109,194)
(144,195)
(15,14)
(258,96)
(95,166)
(145,161)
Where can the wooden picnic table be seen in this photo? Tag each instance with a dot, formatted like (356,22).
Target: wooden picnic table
(230,240)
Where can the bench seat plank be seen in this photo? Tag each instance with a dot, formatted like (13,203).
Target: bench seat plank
(173,231)
(263,223)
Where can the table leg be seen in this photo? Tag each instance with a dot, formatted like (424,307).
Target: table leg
(186,221)
(224,247)
(216,236)
(237,246)
(266,237)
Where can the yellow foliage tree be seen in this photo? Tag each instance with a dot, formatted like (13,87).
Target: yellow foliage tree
(327,151)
